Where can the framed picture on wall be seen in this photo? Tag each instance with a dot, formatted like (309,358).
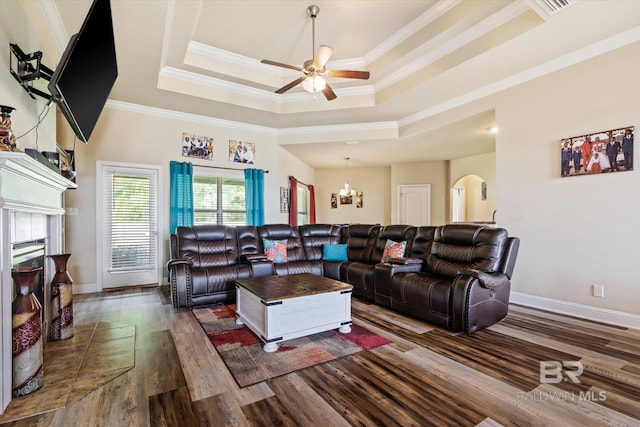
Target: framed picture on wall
(242,151)
(197,146)
(599,152)
(346,200)
(284,199)
(359,199)
(334,201)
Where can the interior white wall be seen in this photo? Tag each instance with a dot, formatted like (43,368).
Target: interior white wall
(130,134)
(374,183)
(434,173)
(574,231)
(13,16)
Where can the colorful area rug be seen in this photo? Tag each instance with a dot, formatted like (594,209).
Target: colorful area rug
(249,364)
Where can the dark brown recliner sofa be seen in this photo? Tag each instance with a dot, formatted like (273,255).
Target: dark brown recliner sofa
(366,245)
(456,275)
(206,262)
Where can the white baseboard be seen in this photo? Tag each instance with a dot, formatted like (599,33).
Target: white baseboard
(85,288)
(619,318)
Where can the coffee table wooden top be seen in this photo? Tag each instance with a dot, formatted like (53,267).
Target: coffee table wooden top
(274,288)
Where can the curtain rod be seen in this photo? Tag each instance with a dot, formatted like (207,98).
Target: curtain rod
(300,182)
(220,167)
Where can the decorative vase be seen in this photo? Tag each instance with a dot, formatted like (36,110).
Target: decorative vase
(7,138)
(26,326)
(61,299)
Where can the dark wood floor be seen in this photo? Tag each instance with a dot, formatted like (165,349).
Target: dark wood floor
(426,376)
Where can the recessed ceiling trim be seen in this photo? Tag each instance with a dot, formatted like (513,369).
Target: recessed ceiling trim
(195,118)
(212,82)
(376,130)
(433,13)
(339,133)
(166,37)
(381,126)
(231,64)
(443,48)
(190,83)
(222,55)
(572,58)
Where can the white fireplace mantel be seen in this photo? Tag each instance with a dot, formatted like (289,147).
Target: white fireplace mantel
(31,207)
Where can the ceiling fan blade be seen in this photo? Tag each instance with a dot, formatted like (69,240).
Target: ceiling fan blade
(322,56)
(349,74)
(329,93)
(280,64)
(294,83)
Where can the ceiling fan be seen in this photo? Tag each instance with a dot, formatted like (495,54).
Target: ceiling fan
(314,72)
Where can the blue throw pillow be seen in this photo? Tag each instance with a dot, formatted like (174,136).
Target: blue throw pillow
(334,252)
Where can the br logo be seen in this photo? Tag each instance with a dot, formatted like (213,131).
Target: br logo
(552,371)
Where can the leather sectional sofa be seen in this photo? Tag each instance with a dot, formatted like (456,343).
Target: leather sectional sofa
(456,275)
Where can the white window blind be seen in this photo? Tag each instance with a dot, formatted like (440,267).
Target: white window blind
(219,200)
(131,218)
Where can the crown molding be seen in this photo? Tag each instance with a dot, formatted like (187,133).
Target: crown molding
(410,29)
(217,54)
(268,74)
(191,83)
(351,127)
(451,40)
(599,48)
(54,21)
(195,118)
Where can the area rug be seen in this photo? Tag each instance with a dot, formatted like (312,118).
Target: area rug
(241,350)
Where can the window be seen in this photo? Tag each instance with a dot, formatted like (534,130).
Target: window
(131,220)
(219,200)
(303,204)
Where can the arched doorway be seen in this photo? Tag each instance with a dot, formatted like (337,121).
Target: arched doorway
(469,200)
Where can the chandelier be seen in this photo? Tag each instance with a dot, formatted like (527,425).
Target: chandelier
(346,191)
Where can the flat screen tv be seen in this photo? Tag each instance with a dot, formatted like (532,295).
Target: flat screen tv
(82,81)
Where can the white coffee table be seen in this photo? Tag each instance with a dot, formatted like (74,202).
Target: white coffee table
(280,308)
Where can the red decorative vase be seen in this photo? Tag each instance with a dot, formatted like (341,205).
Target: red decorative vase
(61,299)
(7,137)
(26,326)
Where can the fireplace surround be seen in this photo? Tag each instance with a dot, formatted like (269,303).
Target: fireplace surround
(31,210)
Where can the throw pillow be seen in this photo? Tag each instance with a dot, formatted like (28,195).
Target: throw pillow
(275,250)
(393,250)
(334,252)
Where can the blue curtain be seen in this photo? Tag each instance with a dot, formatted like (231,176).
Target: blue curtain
(254,196)
(181,195)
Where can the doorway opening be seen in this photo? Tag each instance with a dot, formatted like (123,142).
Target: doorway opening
(470,200)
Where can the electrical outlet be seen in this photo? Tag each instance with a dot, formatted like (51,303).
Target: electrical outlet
(598,291)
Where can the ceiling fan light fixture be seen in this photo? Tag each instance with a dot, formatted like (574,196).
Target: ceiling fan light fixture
(314,70)
(314,84)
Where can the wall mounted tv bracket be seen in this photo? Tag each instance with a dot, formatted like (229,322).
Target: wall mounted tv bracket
(29,68)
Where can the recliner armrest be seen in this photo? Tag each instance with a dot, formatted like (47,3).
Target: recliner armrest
(180,281)
(178,261)
(487,280)
(261,266)
(405,261)
(249,258)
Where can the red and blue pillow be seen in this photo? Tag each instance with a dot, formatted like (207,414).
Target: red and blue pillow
(275,250)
